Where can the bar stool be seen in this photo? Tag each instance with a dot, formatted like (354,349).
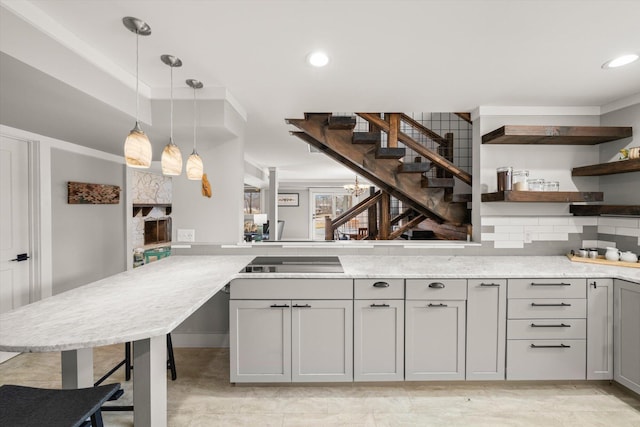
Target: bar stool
(29,406)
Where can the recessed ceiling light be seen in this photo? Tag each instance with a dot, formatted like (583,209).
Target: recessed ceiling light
(620,61)
(318,59)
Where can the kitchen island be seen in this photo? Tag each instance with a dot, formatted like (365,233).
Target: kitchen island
(145,304)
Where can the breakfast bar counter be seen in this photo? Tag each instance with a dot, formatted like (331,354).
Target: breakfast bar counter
(145,304)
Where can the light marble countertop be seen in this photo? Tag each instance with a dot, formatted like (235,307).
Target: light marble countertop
(154,299)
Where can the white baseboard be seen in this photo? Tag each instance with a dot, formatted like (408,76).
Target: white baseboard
(200,340)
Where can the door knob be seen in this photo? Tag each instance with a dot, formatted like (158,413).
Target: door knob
(21,257)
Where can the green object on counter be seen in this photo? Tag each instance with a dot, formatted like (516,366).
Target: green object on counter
(151,255)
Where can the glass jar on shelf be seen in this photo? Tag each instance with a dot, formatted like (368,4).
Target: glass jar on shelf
(551,186)
(504,178)
(519,178)
(536,184)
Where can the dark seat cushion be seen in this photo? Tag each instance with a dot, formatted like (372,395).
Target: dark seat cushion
(28,406)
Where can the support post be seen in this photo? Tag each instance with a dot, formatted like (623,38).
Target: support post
(394,129)
(328,228)
(150,382)
(77,368)
(385,216)
(372,216)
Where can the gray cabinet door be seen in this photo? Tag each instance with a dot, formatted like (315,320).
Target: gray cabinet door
(600,329)
(627,334)
(260,341)
(486,328)
(435,340)
(322,340)
(378,340)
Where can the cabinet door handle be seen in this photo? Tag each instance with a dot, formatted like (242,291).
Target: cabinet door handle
(594,284)
(437,305)
(489,284)
(550,284)
(279,306)
(436,285)
(561,325)
(381,285)
(550,346)
(562,304)
(301,306)
(379,305)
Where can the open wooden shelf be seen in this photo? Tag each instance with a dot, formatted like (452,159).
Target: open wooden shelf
(611,168)
(146,208)
(543,196)
(556,135)
(595,210)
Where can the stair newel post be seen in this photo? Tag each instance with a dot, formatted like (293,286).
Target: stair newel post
(385,216)
(372,216)
(394,129)
(328,228)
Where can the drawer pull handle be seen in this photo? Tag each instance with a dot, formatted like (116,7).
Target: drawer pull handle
(301,306)
(381,285)
(279,306)
(437,305)
(489,284)
(379,305)
(550,346)
(561,325)
(562,304)
(436,285)
(550,284)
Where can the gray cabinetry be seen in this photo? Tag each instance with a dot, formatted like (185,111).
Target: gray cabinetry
(546,338)
(378,330)
(306,337)
(600,329)
(627,334)
(435,313)
(486,328)
(260,341)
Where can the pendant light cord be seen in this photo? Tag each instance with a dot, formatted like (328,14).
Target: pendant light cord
(195,113)
(137,75)
(171,137)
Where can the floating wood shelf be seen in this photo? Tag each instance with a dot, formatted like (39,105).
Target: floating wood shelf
(146,208)
(556,135)
(543,196)
(595,210)
(611,168)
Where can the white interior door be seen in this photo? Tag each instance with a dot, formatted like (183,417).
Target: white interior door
(14,226)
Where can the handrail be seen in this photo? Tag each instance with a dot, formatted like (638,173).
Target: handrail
(356,210)
(420,149)
(423,130)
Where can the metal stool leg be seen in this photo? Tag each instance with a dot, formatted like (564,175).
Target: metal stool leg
(171,363)
(127,361)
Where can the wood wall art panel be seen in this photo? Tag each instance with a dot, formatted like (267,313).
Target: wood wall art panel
(82,193)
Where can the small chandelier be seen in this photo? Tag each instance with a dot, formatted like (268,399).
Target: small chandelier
(171,156)
(137,147)
(195,168)
(356,189)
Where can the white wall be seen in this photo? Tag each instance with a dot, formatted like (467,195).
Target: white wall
(296,218)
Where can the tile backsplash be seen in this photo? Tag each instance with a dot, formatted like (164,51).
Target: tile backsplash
(517,232)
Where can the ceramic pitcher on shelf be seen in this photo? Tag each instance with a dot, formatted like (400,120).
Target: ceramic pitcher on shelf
(612,254)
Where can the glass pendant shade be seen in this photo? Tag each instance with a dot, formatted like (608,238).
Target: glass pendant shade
(171,160)
(195,168)
(137,149)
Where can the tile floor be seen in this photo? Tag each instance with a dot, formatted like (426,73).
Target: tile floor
(202,396)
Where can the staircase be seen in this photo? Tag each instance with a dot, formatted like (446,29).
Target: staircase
(429,200)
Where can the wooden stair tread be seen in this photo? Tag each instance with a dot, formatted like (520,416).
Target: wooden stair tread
(438,182)
(414,167)
(366,138)
(342,122)
(390,152)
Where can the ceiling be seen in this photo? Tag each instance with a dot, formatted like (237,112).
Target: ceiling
(386,55)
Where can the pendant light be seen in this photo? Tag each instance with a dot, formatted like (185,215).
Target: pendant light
(137,148)
(171,156)
(195,167)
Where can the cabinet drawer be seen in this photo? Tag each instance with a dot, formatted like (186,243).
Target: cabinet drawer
(547,329)
(379,288)
(547,288)
(547,308)
(292,289)
(546,359)
(438,289)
